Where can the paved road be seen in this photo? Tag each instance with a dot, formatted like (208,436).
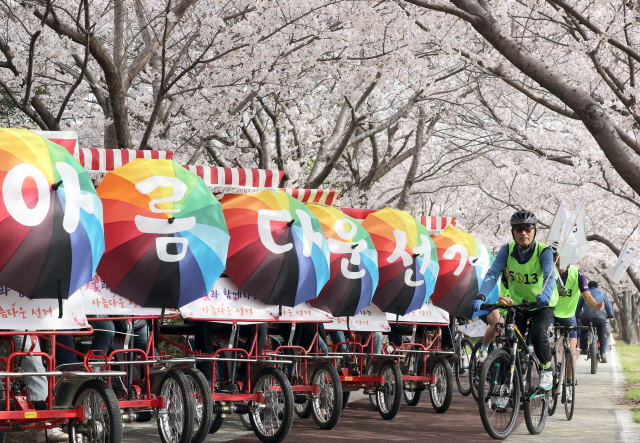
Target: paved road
(595,420)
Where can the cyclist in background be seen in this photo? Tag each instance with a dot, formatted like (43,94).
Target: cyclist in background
(530,265)
(590,316)
(492,318)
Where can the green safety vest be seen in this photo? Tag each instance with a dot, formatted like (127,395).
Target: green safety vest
(566,306)
(526,280)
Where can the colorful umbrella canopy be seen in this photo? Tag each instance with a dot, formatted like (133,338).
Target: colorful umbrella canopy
(166,238)
(277,251)
(464,262)
(407,260)
(354,263)
(50,218)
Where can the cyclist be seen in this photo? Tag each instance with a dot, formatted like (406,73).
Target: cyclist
(530,265)
(589,316)
(572,289)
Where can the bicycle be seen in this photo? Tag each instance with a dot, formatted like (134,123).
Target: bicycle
(510,376)
(561,361)
(474,368)
(592,353)
(463,349)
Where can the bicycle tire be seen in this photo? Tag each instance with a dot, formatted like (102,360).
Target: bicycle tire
(441,391)
(275,385)
(556,390)
(327,406)
(569,406)
(498,366)
(473,369)
(203,404)
(535,408)
(593,353)
(462,379)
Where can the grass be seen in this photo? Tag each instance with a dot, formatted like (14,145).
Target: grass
(636,414)
(629,356)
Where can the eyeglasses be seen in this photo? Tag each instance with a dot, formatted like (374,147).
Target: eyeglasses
(527,228)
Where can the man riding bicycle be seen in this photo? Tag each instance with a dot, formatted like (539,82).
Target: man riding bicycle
(571,288)
(595,317)
(530,265)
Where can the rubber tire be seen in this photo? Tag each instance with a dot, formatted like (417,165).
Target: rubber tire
(472,368)
(412,400)
(345,398)
(287,393)
(246,421)
(337,396)
(533,428)
(373,402)
(397,397)
(200,387)
(465,345)
(109,403)
(593,355)
(568,410)
(303,412)
(448,375)
(188,405)
(503,354)
(556,390)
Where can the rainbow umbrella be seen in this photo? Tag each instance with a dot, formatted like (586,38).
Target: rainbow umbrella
(50,218)
(277,251)
(464,262)
(406,260)
(354,263)
(166,239)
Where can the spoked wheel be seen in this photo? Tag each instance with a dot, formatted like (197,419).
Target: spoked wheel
(461,367)
(556,367)
(273,422)
(327,405)
(499,397)
(474,370)
(175,422)
(244,418)
(103,420)
(569,386)
(535,405)
(593,354)
(203,404)
(389,395)
(373,401)
(303,410)
(345,398)
(411,396)
(441,391)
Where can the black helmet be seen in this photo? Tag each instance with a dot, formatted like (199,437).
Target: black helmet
(524,217)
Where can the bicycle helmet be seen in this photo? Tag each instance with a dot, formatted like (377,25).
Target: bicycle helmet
(523,217)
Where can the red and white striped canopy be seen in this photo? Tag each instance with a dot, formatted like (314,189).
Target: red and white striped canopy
(326,197)
(105,160)
(435,225)
(237,180)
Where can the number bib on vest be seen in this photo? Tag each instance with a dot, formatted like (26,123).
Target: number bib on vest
(566,306)
(526,280)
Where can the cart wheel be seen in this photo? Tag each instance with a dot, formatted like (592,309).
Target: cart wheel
(442,390)
(327,406)
(345,398)
(412,398)
(390,393)
(175,423)
(373,401)
(203,404)
(246,421)
(303,410)
(272,423)
(103,420)
(3,437)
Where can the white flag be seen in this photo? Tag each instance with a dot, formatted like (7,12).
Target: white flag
(554,237)
(624,260)
(572,247)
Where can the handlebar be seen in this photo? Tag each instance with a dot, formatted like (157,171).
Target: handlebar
(522,306)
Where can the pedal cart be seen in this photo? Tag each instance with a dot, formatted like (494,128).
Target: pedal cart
(378,374)
(242,380)
(314,379)
(80,402)
(153,386)
(425,365)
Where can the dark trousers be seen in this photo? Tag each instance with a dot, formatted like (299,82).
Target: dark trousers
(540,321)
(601,327)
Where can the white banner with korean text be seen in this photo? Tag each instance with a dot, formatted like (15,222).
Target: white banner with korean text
(370,319)
(428,313)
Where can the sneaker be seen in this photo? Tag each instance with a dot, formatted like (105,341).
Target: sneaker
(53,435)
(603,359)
(546,381)
(482,356)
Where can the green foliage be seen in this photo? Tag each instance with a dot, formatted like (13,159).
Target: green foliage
(629,356)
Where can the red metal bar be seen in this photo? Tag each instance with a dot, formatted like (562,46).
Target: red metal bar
(30,416)
(422,378)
